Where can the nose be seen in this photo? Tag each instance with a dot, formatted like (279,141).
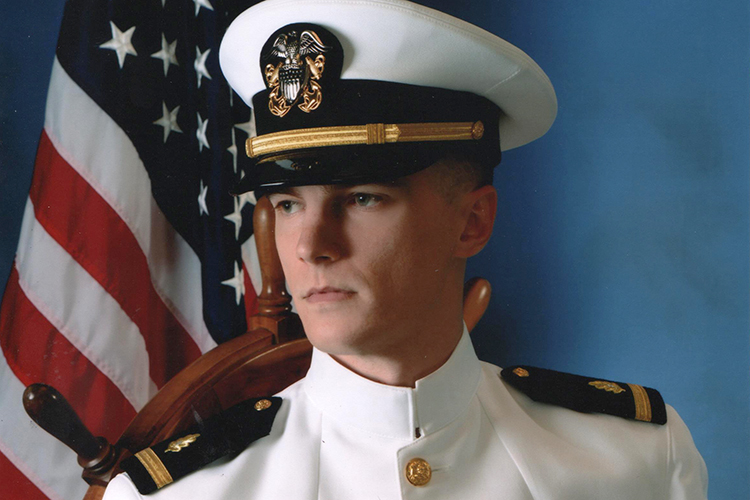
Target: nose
(320,240)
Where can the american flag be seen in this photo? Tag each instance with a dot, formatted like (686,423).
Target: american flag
(133,257)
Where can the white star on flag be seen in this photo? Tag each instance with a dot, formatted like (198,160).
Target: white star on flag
(202,207)
(202,3)
(233,150)
(235,218)
(168,120)
(248,127)
(237,283)
(248,197)
(120,43)
(167,53)
(200,133)
(200,65)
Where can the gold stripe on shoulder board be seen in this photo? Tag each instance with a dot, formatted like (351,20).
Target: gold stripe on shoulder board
(155,467)
(642,403)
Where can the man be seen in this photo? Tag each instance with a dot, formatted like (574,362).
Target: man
(378,125)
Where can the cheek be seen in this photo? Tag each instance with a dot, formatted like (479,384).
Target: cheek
(425,252)
(400,262)
(286,247)
(375,253)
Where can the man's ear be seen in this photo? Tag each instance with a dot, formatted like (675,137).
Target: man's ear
(479,217)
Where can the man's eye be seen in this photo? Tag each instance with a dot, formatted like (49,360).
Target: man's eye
(366,199)
(287,206)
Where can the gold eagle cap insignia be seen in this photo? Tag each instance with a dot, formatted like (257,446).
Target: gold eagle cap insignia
(294,79)
(181,443)
(607,386)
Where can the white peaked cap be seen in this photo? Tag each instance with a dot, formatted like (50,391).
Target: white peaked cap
(399,41)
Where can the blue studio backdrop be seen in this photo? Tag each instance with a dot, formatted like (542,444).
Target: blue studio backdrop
(621,245)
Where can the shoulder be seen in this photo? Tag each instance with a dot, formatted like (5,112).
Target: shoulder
(576,428)
(121,488)
(585,412)
(229,432)
(588,394)
(573,407)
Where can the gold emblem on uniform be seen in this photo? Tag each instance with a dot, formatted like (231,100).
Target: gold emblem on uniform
(263,404)
(607,386)
(181,443)
(521,372)
(294,78)
(418,471)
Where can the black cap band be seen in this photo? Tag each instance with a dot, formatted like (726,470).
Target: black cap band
(363,103)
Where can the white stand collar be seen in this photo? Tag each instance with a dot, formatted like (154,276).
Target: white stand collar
(390,411)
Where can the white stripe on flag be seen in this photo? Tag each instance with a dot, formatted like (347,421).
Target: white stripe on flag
(48,463)
(90,319)
(250,259)
(100,151)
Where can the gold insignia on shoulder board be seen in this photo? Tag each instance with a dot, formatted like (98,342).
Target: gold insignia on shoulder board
(181,443)
(520,372)
(607,386)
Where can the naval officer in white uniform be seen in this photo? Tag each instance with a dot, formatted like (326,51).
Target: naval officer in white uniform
(379,123)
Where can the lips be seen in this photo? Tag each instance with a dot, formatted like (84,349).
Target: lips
(327,294)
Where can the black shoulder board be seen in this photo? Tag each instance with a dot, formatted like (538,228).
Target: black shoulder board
(230,431)
(588,395)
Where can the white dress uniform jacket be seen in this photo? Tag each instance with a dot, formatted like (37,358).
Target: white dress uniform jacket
(339,436)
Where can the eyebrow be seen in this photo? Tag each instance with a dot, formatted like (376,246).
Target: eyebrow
(290,190)
(399,183)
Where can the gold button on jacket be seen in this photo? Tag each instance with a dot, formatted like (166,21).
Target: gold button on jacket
(418,472)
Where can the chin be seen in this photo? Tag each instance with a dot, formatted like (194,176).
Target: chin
(333,334)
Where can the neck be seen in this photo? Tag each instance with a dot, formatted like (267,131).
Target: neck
(417,345)
(403,365)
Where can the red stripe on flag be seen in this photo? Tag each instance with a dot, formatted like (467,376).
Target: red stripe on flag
(251,298)
(37,352)
(85,225)
(15,484)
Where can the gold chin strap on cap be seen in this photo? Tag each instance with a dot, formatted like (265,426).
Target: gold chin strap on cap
(351,135)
